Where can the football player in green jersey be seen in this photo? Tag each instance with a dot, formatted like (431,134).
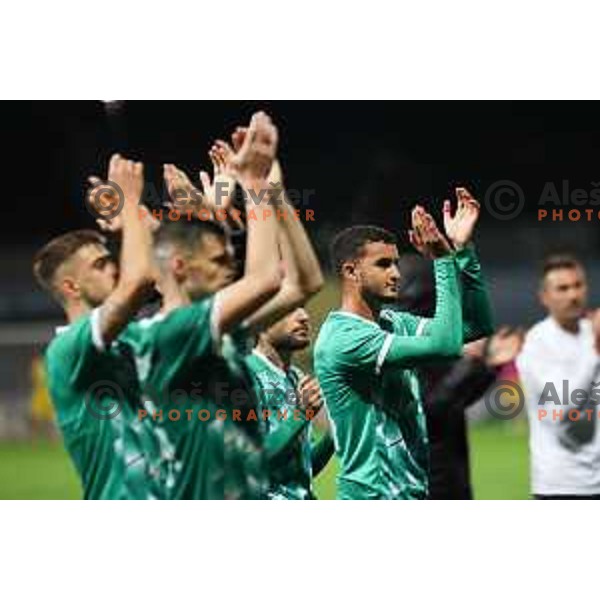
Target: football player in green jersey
(283,389)
(193,346)
(367,353)
(91,375)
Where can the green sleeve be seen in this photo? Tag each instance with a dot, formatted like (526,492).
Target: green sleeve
(321,453)
(277,443)
(476,305)
(411,324)
(362,345)
(72,357)
(442,337)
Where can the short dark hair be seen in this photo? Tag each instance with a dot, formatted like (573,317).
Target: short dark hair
(560,261)
(349,243)
(57,251)
(187,235)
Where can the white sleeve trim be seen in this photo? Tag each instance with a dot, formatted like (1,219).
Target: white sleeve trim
(97,330)
(383,353)
(421,326)
(214,323)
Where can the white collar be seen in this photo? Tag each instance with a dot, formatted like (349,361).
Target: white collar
(347,313)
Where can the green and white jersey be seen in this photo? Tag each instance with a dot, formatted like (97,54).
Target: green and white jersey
(193,383)
(291,473)
(376,412)
(96,396)
(367,372)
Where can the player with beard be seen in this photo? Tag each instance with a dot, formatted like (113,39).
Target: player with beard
(368,353)
(283,388)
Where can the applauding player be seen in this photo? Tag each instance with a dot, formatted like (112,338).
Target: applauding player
(283,388)
(91,375)
(186,347)
(365,358)
(367,353)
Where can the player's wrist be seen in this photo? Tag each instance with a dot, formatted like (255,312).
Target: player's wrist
(442,251)
(131,204)
(463,247)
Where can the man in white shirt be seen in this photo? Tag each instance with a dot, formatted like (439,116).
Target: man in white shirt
(559,368)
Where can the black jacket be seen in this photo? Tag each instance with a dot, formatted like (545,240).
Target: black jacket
(449,389)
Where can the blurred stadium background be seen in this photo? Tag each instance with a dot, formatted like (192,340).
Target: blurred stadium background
(365,161)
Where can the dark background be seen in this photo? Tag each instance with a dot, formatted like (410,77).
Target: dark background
(366,161)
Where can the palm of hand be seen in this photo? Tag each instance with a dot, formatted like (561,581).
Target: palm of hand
(504,347)
(459,228)
(219,193)
(181,189)
(425,236)
(506,350)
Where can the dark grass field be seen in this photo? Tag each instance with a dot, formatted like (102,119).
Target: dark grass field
(42,470)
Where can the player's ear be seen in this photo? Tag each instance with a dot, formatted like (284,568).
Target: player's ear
(349,271)
(178,267)
(69,288)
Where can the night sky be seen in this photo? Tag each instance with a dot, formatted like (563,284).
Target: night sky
(365,160)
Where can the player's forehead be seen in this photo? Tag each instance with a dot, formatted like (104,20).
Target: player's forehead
(566,276)
(374,251)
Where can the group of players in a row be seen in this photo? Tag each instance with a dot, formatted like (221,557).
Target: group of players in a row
(200,399)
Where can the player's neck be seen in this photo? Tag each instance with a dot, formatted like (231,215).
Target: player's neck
(358,305)
(75,311)
(173,296)
(571,326)
(280,358)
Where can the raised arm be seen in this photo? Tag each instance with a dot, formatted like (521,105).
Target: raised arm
(262,275)
(303,277)
(442,336)
(136,276)
(477,308)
